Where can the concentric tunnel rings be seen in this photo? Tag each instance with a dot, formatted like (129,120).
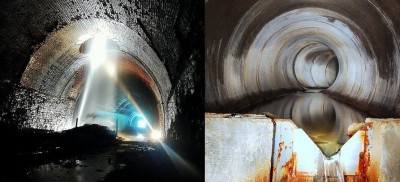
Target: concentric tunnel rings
(316,66)
(300,49)
(272,54)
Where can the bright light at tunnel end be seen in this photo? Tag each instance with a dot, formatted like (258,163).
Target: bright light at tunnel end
(156,136)
(142,124)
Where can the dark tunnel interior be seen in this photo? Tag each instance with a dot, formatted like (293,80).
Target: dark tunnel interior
(83,81)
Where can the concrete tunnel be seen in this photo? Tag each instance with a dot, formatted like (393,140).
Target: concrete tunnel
(156,48)
(264,49)
(316,68)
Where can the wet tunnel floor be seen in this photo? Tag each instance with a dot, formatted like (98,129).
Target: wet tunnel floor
(129,161)
(89,153)
(323,118)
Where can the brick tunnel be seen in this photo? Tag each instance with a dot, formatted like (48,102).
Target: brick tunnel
(155,50)
(324,65)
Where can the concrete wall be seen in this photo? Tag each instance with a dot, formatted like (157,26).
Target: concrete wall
(238,147)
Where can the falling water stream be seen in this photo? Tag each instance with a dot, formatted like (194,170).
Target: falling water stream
(333,171)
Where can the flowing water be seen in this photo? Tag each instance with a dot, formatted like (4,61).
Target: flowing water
(324,119)
(333,171)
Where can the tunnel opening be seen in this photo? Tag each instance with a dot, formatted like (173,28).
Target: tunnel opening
(118,93)
(63,68)
(131,109)
(316,67)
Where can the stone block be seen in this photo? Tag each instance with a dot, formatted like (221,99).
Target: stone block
(238,148)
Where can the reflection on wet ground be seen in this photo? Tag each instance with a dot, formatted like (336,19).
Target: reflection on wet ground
(324,119)
(88,167)
(129,161)
(92,153)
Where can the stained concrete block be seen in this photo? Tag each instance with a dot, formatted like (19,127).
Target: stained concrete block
(309,158)
(385,160)
(283,159)
(350,152)
(296,157)
(238,149)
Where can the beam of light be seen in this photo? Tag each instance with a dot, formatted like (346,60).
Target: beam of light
(85,94)
(156,135)
(133,102)
(142,123)
(184,167)
(97,56)
(111,69)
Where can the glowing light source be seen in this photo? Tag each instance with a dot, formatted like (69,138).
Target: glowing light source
(98,50)
(156,135)
(140,136)
(142,123)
